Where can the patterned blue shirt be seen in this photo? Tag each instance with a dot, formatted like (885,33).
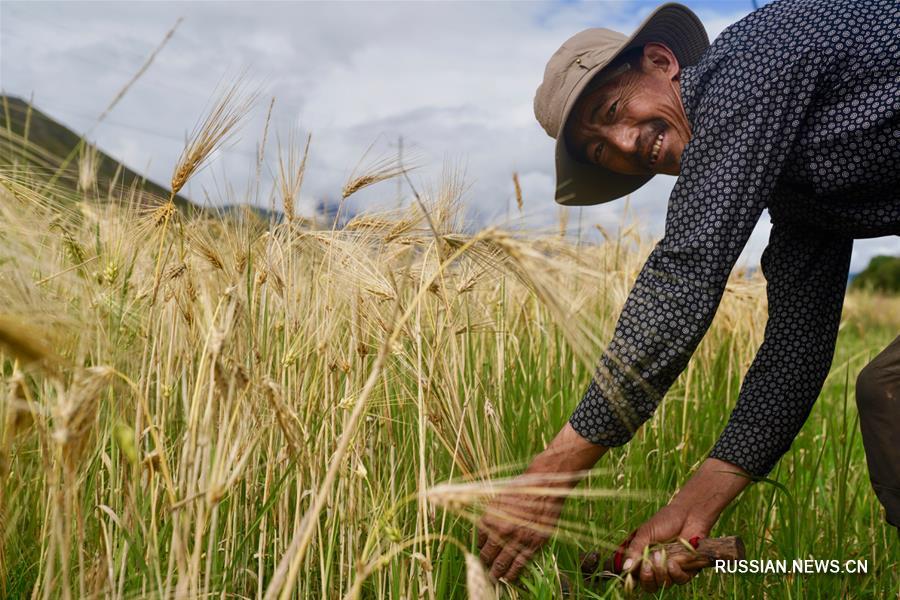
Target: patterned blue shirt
(795,109)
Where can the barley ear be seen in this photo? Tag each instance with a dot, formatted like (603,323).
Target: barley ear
(28,344)
(219,126)
(478,584)
(378,170)
(518,189)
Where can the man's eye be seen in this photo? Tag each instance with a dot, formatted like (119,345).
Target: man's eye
(612,109)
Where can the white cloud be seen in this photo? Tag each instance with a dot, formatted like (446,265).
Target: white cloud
(455,79)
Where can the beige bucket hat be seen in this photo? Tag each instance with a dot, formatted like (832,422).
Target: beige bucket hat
(577,62)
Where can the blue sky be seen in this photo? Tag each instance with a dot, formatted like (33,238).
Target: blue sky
(455,80)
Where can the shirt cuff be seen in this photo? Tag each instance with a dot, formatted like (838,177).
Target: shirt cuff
(600,421)
(751,448)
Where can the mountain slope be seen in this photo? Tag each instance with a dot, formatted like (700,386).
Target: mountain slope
(30,137)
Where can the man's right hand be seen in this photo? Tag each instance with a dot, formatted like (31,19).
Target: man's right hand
(522,518)
(517,523)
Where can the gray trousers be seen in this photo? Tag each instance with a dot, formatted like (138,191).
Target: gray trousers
(878,402)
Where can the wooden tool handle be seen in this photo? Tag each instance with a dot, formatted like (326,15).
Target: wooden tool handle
(708,550)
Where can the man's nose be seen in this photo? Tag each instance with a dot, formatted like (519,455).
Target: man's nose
(623,139)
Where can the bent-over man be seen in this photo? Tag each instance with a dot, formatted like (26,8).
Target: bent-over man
(795,109)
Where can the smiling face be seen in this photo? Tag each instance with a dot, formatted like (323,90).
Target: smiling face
(634,123)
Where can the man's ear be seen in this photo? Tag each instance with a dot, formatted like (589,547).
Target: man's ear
(658,57)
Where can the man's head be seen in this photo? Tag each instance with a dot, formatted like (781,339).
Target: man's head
(632,122)
(670,39)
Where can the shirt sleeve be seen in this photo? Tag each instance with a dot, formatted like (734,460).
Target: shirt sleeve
(729,169)
(806,274)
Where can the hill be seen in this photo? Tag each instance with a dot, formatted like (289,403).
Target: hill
(30,137)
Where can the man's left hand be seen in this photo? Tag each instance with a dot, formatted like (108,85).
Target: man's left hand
(691,513)
(670,523)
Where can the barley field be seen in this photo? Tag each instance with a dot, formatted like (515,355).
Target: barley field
(201,405)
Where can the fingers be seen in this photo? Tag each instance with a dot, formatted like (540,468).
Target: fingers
(490,550)
(507,557)
(518,564)
(677,574)
(656,571)
(645,576)
(640,539)
(660,569)
(512,528)
(504,560)
(505,548)
(499,547)
(643,536)
(649,564)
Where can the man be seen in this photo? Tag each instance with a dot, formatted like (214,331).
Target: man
(794,109)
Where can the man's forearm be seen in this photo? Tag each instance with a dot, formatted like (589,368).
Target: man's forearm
(567,456)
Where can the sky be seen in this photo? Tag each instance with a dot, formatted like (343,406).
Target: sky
(454,80)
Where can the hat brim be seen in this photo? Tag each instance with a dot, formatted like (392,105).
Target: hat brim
(582,184)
